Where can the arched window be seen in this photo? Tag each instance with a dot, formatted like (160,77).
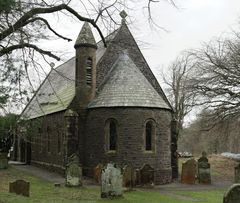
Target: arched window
(89,64)
(150,132)
(40,134)
(111,135)
(48,139)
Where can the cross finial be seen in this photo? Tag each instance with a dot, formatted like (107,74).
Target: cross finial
(123,14)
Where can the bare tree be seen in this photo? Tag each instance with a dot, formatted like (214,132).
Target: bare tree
(179,94)
(217,78)
(222,137)
(24,28)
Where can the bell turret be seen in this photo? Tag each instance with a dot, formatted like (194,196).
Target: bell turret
(85,83)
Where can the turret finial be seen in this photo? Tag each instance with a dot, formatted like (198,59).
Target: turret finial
(123,14)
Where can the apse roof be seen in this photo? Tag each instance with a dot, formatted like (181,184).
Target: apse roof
(126,86)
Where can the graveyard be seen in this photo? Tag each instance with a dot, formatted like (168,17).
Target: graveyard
(119,101)
(46,190)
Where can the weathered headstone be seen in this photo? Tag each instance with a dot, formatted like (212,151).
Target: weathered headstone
(232,195)
(73,172)
(112,180)
(3,160)
(98,172)
(129,177)
(189,171)
(20,187)
(203,158)
(204,174)
(237,173)
(147,174)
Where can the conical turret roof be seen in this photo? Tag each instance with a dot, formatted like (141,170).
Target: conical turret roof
(124,86)
(85,37)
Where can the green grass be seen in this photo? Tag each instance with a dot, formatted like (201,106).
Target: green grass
(42,191)
(213,196)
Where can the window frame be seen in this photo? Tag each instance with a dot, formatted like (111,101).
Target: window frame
(153,135)
(40,135)
(59,141)
(107,135)
(48,139)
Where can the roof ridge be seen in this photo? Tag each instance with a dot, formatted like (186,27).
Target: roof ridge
(163,94)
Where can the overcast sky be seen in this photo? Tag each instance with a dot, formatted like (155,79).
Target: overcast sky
(194,22)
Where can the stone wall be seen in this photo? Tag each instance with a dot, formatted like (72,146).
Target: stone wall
(53,158)
(130,144)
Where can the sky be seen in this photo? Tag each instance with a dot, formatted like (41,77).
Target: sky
(195,22)
(189,25)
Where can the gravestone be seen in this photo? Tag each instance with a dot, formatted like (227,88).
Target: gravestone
(204,174)
(138,177)
(232,195)
(189,171)
(73,172)
(147,174)
(111,182)
(98,173)
(20,187)
(237,173)
(129,176)
(3,160)
(203,158)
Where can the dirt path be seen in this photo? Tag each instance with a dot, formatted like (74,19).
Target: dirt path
(221,169)
(39,172)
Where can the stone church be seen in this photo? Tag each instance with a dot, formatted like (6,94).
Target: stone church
(105,105)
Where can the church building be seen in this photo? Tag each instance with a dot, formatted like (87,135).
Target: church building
(105,105)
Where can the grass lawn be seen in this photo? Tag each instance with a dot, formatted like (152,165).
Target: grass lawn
(43,191)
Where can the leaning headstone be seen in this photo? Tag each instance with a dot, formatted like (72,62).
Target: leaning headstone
(129,177)
(147,174)
(204,174)
(98,173)
(3,160)
(20,187)
(232,195)
(189,171)
(73,172)
(237,173)
(111,182)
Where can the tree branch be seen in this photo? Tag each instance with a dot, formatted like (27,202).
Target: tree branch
(35,11)
(49,27)
(7,50)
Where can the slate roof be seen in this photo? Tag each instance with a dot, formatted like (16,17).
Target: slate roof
(55,94)
(125,85)
(58,89)
(85,36)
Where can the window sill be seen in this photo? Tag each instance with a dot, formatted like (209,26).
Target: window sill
(111,152)
(149,152)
